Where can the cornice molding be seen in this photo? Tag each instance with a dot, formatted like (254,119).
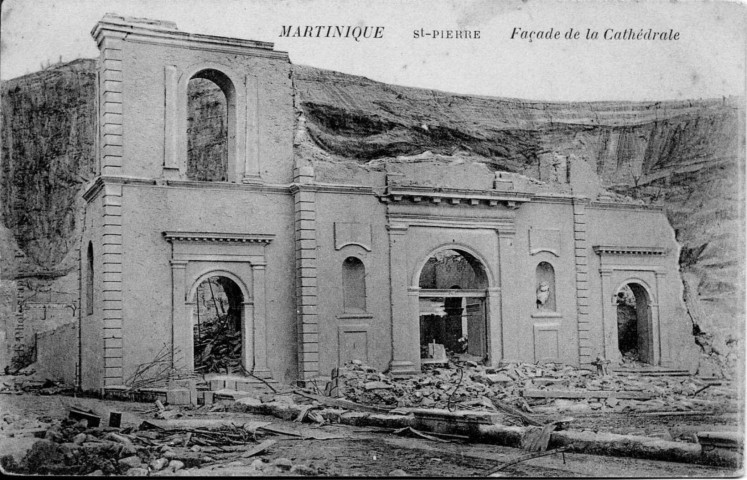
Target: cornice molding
(218,237)
(454,196)
(404,220)
(597,205)
(629,250)
(331,188)
(167,34)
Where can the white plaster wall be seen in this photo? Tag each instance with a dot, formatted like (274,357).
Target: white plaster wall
(150,210)
(365,209)
(143,106)
(92,327)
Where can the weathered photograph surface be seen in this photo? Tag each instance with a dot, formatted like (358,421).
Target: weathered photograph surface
(389,238)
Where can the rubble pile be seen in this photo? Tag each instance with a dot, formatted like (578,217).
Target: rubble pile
(72,447)
(217,347)
(28,380)
(542,389)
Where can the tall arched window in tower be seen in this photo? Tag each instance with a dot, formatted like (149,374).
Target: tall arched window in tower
(545,287)
(353,285)
(210,126)
(89,280)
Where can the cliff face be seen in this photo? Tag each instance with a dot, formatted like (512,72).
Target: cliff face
(685,156)
(48,133)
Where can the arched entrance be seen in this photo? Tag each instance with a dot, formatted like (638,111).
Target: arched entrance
(218,331)
(453,288)
(634,325)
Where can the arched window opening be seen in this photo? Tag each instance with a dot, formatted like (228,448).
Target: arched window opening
(633,324)
(452,267)
(452,306)
(209,126)
(545,287)
(89,280)
(353,285)
(218,332)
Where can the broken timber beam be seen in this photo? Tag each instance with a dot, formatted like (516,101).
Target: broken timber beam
(586,394)
(341,403)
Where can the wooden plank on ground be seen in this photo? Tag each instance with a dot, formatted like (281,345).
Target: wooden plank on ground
(586,394)
(341,403)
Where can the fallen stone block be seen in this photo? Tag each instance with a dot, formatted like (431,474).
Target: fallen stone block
(722,448)
(158,464)
(137,472)
(250,401)
(626,446)
(229,394)
(304,470)
(131,462)
(377,386)
(92,420)
(178,396)
(583,394)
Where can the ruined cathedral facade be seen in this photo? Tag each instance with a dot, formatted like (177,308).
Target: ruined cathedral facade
(319,269)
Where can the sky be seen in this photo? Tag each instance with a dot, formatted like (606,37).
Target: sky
(706,61)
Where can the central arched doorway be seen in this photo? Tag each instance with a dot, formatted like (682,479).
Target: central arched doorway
(217,326)
(453,288)
(634,335)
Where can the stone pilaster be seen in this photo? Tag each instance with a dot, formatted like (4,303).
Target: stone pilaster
(582,280)
(181,330)
(110,102)
(260,322)
(112,284)
(171,122)
(251,162)
(306,263)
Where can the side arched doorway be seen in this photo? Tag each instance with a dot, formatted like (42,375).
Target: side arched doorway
(218,322)
(634,323)
(453,291)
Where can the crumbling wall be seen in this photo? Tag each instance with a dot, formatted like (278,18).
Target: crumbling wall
(55,357)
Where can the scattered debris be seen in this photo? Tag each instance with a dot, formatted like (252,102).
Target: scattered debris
(523,458)
(259,448)
(528,393)
(218,346)
(92,420)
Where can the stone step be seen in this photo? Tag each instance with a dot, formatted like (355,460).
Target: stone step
(239,383)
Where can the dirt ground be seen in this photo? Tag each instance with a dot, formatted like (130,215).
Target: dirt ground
(377,452)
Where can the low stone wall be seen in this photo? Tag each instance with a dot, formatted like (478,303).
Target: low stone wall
(57,353)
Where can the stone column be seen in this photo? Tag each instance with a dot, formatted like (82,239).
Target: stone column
(494,323)
(405,307)
(260,322)
(182,354)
